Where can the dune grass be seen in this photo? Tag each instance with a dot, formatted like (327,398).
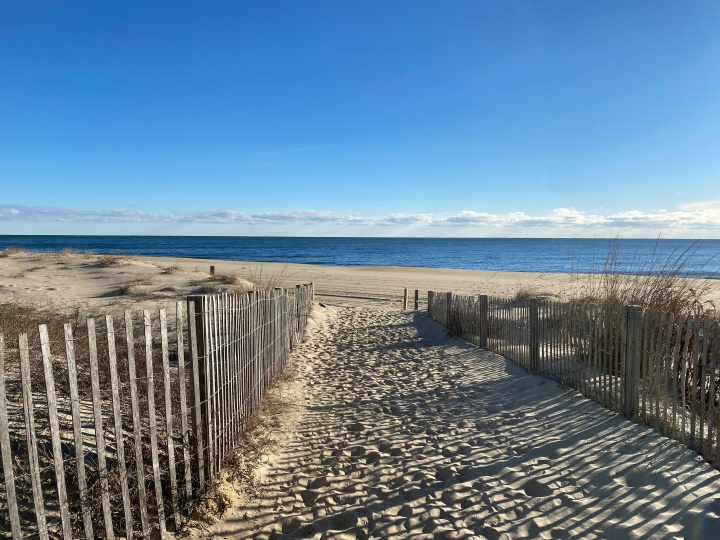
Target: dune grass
(656,283)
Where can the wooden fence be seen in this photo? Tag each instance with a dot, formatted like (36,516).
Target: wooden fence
(659,369)
(109,431)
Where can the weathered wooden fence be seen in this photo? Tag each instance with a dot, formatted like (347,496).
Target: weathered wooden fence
(115,429)
(656,368)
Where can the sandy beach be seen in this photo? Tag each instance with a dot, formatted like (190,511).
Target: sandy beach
(94,282)
(399,430)
(405,432)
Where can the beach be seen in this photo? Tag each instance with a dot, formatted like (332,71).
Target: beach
(394,428)
(78,280)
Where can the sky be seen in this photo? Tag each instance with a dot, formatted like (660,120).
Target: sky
(544,118)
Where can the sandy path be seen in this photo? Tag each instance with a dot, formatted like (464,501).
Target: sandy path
(411,434)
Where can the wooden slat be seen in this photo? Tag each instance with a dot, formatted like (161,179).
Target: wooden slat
(595,349)
(686,363)
(607,355)
(55,433)
(553,352)
(231,371)
(648,324)
(639,359)
(658,387)
(715,423)
(77,432)
(169,418)
(118,425)
(99,429)
(250,354)
(625,360)
(590,338)
(226,378)
(677,362)
(223,374)
(226,372)
(600,347)
(235,357)
(244,356)
(577,322)
(137,425)
(252,357)
(667,358)
(152,422)
(187,468)
(5,450)
(703,376)
(196,385)
(217,392)
(619,355)
(569,360)
(210,389)
(712,358)
(563,336)
(31,437)
(694,382)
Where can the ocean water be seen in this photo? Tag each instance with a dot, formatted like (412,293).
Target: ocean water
(701,259)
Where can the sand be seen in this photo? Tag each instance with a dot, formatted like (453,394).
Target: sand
(91,282)
(399,430)
(410,433)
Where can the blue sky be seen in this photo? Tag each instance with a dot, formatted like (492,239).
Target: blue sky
(341,118)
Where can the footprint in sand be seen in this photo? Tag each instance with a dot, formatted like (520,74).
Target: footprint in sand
(640,479)
(535,488)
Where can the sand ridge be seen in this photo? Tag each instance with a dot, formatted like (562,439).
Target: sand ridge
(409,433)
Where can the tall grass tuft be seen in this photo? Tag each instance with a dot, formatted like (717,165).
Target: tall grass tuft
(656,283)
(13,252)
(268,281)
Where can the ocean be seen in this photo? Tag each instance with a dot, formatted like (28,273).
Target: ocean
(552,255)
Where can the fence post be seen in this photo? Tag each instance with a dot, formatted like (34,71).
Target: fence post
(405,300)
(7,461)
(631,361)
(197,346)
(483,315)
(534,335)
(417,298)
(449,310)
(431,296)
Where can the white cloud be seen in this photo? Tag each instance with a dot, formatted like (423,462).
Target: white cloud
(701,206)
(693,219)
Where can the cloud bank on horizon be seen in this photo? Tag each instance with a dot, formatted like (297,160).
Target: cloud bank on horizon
(699,219)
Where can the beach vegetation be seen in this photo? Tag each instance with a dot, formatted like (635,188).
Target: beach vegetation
(529,293)
(13,252)
(172,269)
(267,281)
(109,260)
(657,283)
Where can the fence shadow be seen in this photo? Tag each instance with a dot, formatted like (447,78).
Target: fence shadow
(432,433)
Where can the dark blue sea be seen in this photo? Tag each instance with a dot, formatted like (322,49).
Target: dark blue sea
(700,259)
